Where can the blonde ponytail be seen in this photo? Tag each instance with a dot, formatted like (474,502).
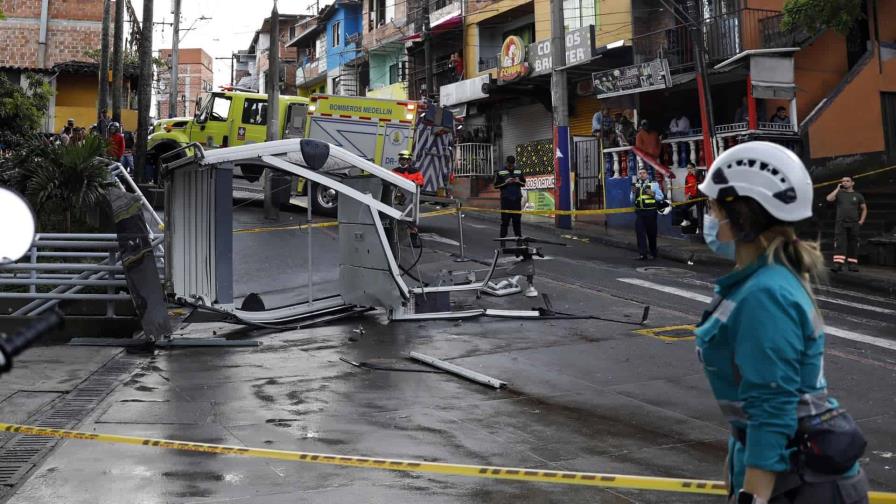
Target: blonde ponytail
(802,257)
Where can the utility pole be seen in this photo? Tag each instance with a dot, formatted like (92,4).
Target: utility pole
(103,101)
(273,85)
(695,23)
(427,50)
(118,61)
(560,101)
(144,93)
(173,86)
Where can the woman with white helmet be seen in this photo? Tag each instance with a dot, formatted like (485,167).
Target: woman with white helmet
(762,340)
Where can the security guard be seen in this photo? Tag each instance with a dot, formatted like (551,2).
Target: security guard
(762,340)
(851,213)
(511,183)
(645,196)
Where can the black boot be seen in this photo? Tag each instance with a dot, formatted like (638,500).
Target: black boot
(838,267)
(853,267)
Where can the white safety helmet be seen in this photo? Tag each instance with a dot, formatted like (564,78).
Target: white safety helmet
(769,173)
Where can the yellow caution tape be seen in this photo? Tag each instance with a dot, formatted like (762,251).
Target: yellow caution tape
(510,473)
(872,172)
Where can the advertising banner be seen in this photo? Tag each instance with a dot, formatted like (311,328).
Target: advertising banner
(632,79)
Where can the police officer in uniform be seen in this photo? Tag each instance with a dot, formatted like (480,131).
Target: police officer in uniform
(761,341)
(645,196)
(511,183)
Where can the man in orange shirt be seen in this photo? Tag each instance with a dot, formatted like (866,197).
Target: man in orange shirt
(648,140)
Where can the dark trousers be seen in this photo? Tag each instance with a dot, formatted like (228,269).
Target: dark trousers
(846,235)
(645,230)
(506,218)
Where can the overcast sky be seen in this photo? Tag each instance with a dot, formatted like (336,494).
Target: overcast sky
(231,27)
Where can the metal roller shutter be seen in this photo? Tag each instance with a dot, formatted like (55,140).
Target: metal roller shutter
(585,108)
(524,124)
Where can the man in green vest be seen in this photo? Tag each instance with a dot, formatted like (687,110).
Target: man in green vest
(645,196)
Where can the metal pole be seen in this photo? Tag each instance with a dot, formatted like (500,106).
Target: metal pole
(271,212)
(560,101)
(173,86)
(703,88)
(310,227)
(118,62)
(427,50)
(460,231)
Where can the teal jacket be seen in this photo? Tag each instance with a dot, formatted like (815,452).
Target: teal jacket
(762,348)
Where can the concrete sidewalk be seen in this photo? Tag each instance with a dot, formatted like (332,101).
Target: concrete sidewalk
(692,249)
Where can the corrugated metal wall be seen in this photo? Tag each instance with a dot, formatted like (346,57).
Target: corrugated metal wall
(585,108)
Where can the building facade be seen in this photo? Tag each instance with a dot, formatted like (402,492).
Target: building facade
(61,43)
(195,78)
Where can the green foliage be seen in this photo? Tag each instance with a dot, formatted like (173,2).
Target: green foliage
(64,183)
(814,16)
(22,110)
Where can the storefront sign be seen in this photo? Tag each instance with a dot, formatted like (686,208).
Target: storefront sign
(535,182)
(579,48)
(539,193)
(632,79)
(512,63)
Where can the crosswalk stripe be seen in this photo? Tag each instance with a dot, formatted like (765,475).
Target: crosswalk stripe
(833,331)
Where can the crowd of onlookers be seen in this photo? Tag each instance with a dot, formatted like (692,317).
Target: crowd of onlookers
(120,143)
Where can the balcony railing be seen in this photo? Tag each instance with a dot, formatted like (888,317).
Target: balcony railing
(307,72)
(724,36)
(488,63)
(442,75)
(474,159)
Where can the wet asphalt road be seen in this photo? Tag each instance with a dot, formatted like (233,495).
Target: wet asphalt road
(584,395)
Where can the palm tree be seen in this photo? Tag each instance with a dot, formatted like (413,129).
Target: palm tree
(70,178)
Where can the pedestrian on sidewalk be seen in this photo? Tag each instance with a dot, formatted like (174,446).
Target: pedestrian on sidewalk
(511,184)
(102,125)
(761,341)
(645,196)
(116,142)
(851,213)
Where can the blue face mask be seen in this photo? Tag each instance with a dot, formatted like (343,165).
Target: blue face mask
(711,235)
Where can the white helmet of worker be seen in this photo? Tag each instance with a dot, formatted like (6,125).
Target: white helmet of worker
(769,173)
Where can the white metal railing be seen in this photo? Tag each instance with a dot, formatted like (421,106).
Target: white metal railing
(733,127)
(474,159)
(782,127)
(70,262)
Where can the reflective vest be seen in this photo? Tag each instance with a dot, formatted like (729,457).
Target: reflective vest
(645,200)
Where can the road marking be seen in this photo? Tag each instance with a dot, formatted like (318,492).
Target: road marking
(665,288)
(438,238)
(869,297)
(852,304)
(860,306)
(833,331)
